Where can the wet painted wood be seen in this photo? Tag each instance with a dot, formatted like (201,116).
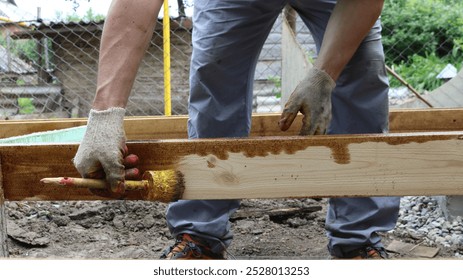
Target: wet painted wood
(264,167)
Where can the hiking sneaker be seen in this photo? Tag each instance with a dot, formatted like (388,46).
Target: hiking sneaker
(189,247)
(373,253)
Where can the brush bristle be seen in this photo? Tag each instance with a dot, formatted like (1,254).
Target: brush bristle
(165,185)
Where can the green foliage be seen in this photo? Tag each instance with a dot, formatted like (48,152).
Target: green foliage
(421,27)
(421,37)
(421,71)
(89,16)
(26,106)
(277,82)
(24,49)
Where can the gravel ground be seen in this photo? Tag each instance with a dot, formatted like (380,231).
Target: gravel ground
(421,220)
(263,229)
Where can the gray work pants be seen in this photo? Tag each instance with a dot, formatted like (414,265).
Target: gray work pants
(227,38)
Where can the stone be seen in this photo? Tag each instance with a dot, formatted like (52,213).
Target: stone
(451,206)
(61,221)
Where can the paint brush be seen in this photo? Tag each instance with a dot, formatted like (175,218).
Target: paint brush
(163,186)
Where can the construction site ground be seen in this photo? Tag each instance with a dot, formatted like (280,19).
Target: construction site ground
(263,229)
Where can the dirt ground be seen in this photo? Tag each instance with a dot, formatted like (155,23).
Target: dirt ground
(264,229)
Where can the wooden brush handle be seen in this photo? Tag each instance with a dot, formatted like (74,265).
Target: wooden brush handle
(91,183)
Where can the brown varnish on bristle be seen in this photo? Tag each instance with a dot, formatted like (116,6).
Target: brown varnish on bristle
(180,187)
(164,186)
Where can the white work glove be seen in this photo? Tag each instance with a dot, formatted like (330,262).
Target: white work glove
(102,150)
(312,97)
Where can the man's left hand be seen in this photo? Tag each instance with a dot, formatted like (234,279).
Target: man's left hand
(312,97)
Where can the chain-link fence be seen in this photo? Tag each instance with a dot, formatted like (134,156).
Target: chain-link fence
(48,69)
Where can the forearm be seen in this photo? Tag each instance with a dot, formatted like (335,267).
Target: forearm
(349,23)
(127,32)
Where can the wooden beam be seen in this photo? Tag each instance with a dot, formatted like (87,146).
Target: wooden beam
(175,127)
(3,233)
(422,120)
(137,128)
(265,167)
(294,58)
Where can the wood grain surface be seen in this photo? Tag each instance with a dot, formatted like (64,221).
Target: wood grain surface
(264,167)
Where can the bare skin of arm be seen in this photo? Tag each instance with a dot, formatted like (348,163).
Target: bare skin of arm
(126,35)
(349,23)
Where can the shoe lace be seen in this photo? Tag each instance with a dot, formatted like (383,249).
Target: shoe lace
(193,248)
(182,246)
(369,252)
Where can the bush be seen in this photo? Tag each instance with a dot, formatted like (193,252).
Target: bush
(420,28)
(421,37)
(24,49)
(421,72)
(26,106)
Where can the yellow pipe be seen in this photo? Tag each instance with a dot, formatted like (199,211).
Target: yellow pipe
(166,43)
(23,24)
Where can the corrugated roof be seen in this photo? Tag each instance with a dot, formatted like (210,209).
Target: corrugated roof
(59,24)
(42,29)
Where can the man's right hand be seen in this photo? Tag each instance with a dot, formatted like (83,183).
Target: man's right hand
(102,152)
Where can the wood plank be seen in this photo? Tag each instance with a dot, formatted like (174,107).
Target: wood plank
(139,128)
(265,167)
(415,120)
(412,250)
(3,232)
(294,59)
(447,95)
(175,127)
